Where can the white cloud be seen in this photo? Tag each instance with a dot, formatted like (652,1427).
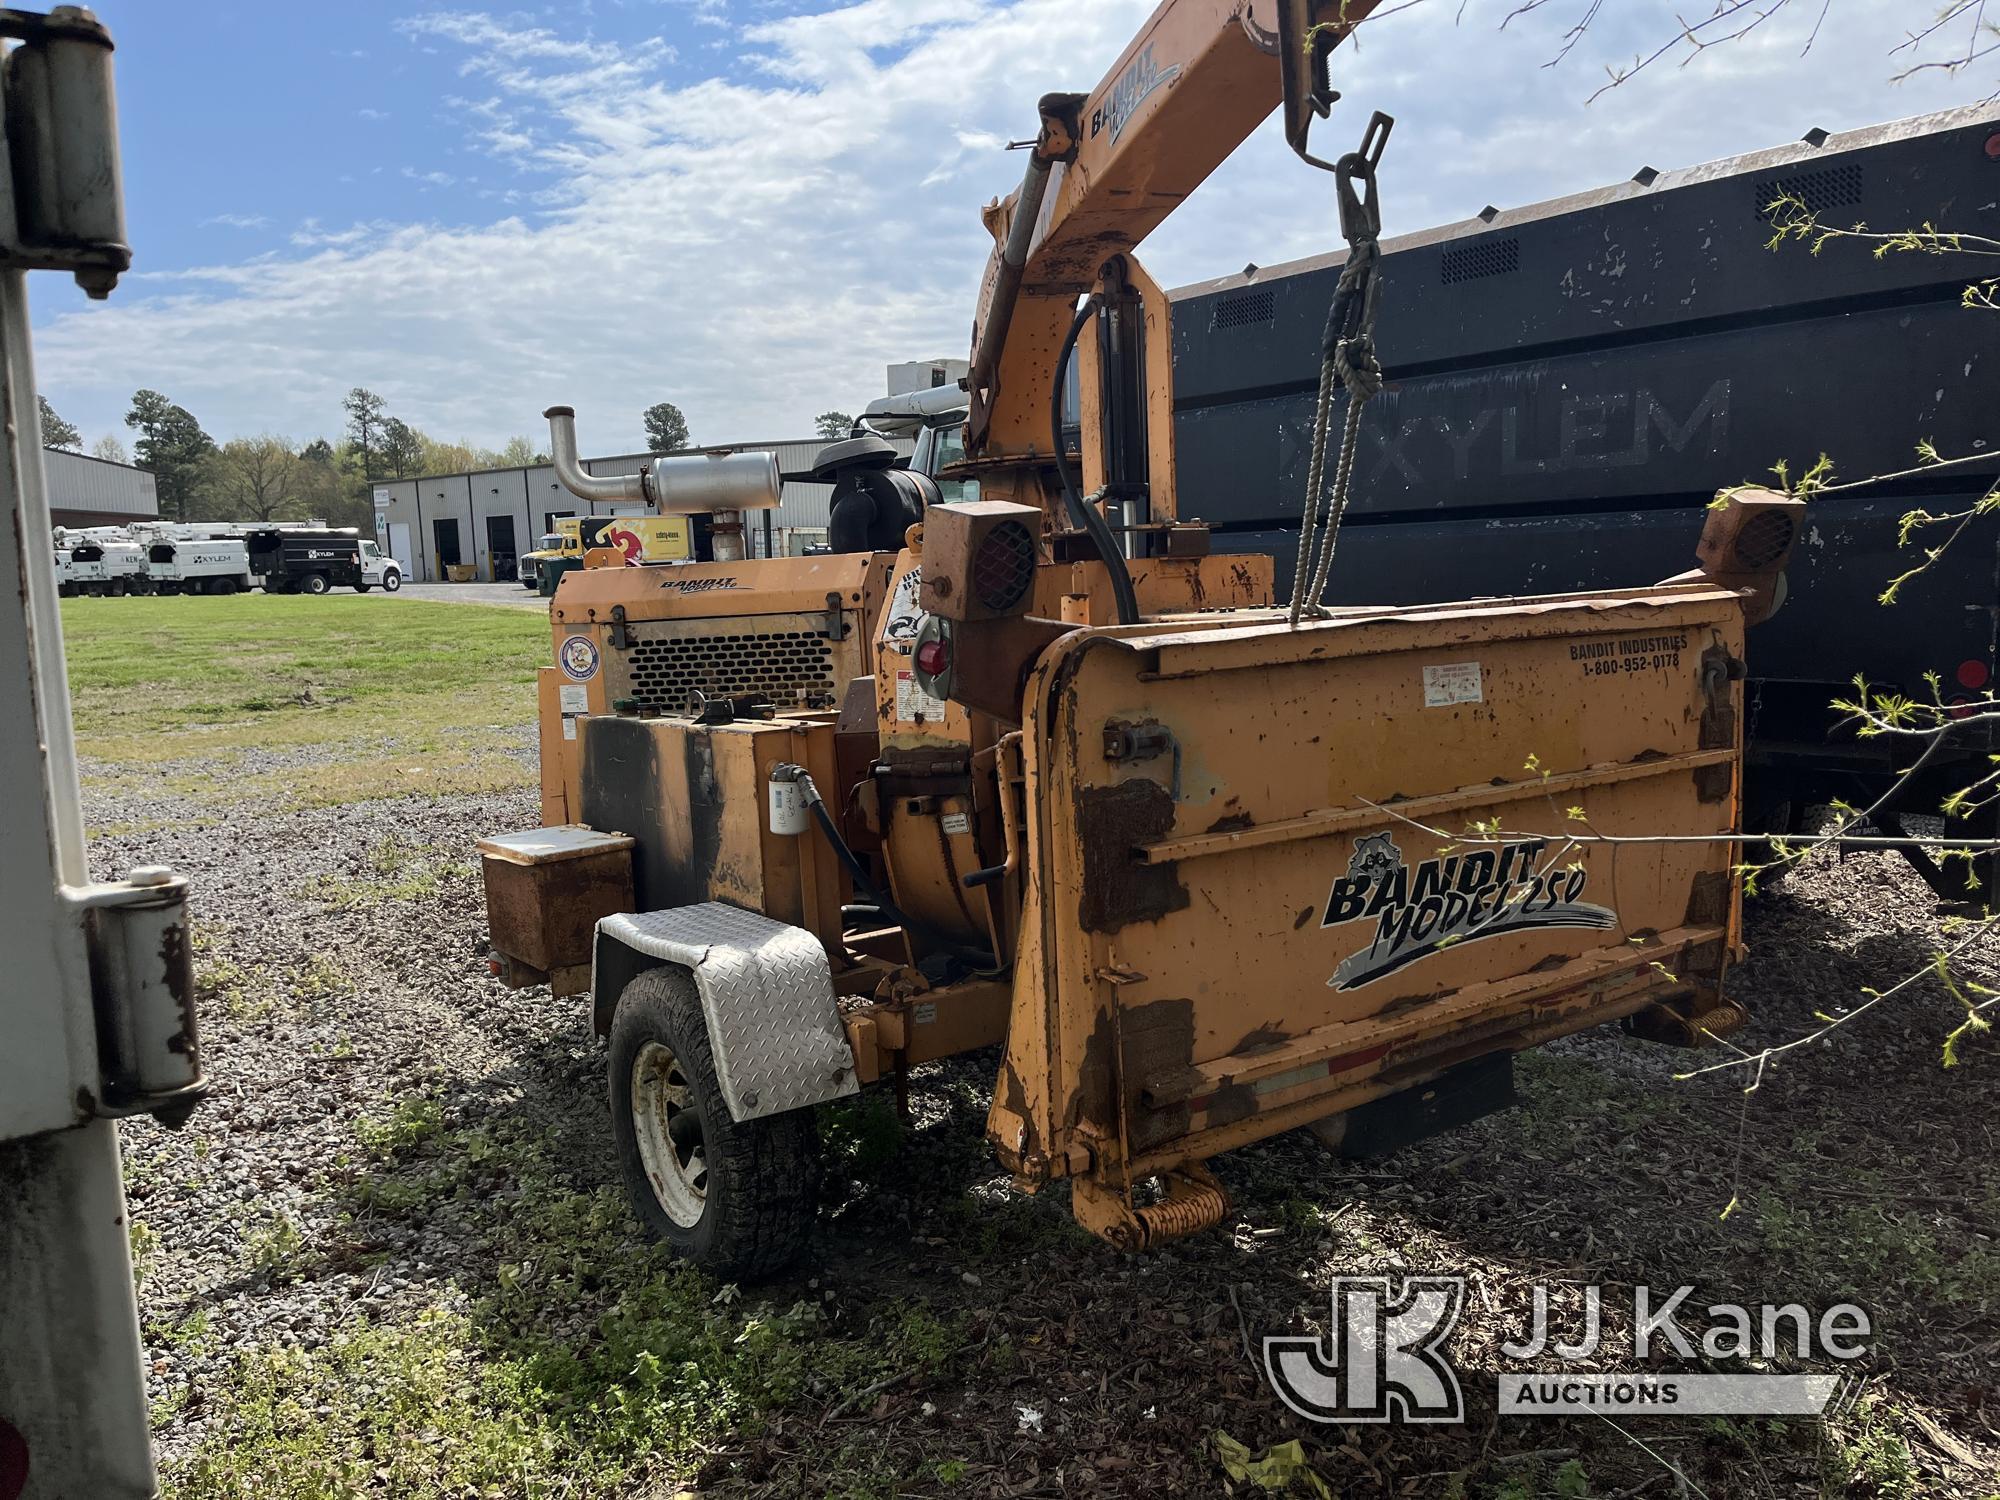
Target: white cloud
(372,114)
(238,221)
(757,245)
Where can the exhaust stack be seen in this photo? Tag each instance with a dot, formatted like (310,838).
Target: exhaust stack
(674,484)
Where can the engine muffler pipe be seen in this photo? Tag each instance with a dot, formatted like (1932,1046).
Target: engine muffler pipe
(672,484)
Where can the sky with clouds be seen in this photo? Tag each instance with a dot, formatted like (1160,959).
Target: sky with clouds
(749,207)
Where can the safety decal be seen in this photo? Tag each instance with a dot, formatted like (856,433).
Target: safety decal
(578,658)
(1451,899)
(1454,682)
(899,630)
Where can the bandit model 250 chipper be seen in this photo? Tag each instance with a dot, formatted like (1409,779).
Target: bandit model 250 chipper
(1041,770)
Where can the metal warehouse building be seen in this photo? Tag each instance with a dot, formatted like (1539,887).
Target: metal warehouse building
(86,491)
(489,517)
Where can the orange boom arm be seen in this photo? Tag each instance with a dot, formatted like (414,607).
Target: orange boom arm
(1107,168)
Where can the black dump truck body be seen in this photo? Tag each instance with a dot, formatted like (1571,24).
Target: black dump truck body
(300,561)
(1569,384)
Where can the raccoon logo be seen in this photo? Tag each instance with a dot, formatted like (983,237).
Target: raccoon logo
(1375,856)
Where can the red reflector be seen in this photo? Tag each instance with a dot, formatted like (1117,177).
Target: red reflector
(933,658)
(1993,148)
(1972,675)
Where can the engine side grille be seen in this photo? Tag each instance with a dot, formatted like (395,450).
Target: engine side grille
(664,663)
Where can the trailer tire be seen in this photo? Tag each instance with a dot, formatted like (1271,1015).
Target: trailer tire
(747,1211)
(314,583)
(362,588)
(223,586)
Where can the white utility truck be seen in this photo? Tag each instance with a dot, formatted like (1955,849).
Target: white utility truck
(101,566)
(197,567)
(97,1012)
(196,558)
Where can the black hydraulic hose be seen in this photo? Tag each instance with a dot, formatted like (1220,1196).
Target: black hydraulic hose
(865,883)
(1088,517)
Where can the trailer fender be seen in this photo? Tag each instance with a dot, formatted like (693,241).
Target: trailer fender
(766,992)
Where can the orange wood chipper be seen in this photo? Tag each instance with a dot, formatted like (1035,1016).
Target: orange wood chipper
(1041,770)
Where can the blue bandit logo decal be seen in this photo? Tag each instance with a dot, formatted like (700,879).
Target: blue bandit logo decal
(578,658)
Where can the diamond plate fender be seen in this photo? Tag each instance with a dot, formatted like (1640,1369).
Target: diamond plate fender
(765,989)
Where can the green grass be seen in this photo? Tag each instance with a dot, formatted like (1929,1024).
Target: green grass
(381,698)
(569,1359)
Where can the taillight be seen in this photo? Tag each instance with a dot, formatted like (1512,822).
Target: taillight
(933,657)
(1972,674)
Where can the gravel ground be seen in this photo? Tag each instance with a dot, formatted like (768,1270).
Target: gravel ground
(405,1002)
(343,971)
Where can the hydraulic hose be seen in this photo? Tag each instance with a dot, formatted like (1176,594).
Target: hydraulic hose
(1081,514)
(865,883)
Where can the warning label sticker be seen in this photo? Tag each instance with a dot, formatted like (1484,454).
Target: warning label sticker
(899,631)
(912,702)
(1454,682)
(575,698)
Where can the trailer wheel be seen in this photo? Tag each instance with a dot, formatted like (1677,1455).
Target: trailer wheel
(314,583)
(362,588)
(223,586)
(736,1198)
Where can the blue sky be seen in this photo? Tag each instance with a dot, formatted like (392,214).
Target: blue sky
(750,207)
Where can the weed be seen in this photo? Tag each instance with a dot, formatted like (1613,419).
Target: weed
(145,1246)
(321,979)
(411,1122)
(273,1247)
(1870,1453)
(395,871)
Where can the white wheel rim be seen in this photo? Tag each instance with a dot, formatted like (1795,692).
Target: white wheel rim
(673,1144)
